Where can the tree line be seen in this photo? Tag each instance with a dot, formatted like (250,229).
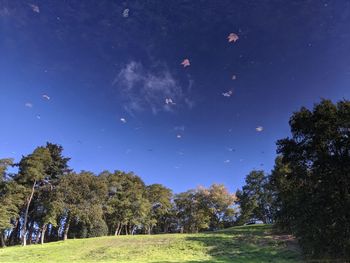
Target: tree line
(46,201)
(307,194)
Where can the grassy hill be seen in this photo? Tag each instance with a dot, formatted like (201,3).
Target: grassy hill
(254,243)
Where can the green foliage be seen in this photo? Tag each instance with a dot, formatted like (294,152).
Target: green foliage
(32,168)
(203,208)
(11,197)
(193,216)
(127,205)
(282,190)
(313,179)
(81,196)
(160,201)
(255,198)
(220,203)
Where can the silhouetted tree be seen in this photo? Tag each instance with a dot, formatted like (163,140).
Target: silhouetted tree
(315,193)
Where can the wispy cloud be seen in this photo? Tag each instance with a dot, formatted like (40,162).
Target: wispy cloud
(143,89)
(179,128)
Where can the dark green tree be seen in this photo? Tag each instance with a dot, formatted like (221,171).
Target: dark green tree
(318,156)
(192,211)
(255,198)
(11,199)
(160,199)
(127,206)
(81,198)
(32,174)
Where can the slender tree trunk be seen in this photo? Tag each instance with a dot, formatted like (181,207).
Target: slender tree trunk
(58,233)
(2,239)
(117,230)
(30,232)
(126,230)
(42,238)
(120,229)
(37,237)
(14,234)
(66,229)
(48,232)
(24,232)
(166,227)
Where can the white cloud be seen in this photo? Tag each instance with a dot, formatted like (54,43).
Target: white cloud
(143,89)
(28,105)
(228,93)
(259,129)
(35,8)
(179,128)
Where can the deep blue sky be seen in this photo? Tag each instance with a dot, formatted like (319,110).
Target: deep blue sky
(98,66)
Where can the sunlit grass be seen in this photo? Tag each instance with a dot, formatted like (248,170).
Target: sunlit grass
(239,244)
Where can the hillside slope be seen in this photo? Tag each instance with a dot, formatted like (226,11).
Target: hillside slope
(238,244)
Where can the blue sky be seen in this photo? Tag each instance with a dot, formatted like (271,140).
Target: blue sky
(100,61)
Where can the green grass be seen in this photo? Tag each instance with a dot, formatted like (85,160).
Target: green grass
(238,244)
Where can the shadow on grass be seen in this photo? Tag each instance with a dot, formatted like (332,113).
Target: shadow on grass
(246,244)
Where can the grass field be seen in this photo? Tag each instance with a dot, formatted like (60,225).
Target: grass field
(239,244)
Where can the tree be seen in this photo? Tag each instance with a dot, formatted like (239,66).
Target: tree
(204,208)
(81,196)
(255,198)
(192,215)
(127,206)
(51,206)
(32,174)
(220,202)
(10,199)
(192,211)
(160,200)
(318,156)
(282,190)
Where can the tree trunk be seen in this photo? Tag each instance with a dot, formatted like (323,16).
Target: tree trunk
(133,230)
(30,233)
(12,240)
(120,229)
(58,233)
(66,229)
(24,232)
(37,236)
(116,233)
(2,239)
(166,227)
(42,238)
(126,230)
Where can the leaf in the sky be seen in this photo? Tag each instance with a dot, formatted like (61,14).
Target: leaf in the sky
(232,37)
(186,62)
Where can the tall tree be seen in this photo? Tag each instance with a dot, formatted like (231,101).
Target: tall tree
(160,200)
(32,174)
(220,202)
(192,211)
(127,206)
(11,197)
(283,191)
(255,199)
(318,155)
(81,197)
